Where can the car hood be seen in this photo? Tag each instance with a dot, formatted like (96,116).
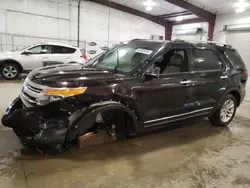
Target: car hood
(74,75)
(8,54)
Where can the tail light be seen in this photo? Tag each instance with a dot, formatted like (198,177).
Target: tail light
(246,73)
(84,57)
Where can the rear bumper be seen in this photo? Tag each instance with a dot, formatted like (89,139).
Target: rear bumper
(33,129)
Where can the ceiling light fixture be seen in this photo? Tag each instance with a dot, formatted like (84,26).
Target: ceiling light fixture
(148,8)
(239,10)
(241,6)
(179,18)
(149,3)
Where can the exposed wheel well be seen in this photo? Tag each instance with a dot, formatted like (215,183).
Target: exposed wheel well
(125,122)
(237,96)
(13,61)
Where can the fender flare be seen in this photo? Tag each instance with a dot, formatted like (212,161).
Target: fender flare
(238,92)
(13,61)
(234,89)
(84,121)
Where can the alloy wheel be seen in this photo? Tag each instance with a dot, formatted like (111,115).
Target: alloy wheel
(227,110)
(9,71)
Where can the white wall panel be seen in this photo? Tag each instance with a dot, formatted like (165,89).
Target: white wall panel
(228,19)
(239,40)
(46,27)
(63,11)
(193,37)
(2,21)
(73,30)
(32,21)
(64,29)
(45,7)
(18,23)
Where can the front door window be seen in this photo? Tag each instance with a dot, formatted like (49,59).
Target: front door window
(174,61)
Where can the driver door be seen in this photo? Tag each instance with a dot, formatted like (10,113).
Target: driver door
(169,96)
(35,58)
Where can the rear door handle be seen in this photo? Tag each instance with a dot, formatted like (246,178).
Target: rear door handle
(223,77)
(185,82)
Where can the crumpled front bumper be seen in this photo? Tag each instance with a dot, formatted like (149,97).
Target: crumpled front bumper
(41,128)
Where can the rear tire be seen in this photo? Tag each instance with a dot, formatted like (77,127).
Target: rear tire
(225,114)
(9,71)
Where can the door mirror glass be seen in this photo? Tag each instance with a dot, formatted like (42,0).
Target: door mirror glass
(27,52)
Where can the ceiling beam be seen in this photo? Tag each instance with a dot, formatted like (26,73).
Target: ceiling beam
(189,21)
(176,14)
(129,10)
(201,13)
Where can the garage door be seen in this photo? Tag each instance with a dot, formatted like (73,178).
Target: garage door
(241,41)
(194,37)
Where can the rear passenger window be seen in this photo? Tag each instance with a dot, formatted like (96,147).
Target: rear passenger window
(62,50)
(206,60)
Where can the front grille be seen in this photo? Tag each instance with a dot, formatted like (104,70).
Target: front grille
(31,92)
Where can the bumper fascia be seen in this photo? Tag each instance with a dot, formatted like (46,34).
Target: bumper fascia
(32,128)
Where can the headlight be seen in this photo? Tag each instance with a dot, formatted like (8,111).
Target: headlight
(64,92)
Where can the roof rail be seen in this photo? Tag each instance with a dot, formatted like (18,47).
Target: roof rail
(205,42)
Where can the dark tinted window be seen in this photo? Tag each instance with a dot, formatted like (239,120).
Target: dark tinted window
(71,50)
(174,61)
(206,60)
(62,50)
(235,59)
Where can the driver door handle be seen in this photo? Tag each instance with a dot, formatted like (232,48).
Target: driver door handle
(223,77)
(185,82)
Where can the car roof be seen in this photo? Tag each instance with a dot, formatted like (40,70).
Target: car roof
(57,44)
(183,43)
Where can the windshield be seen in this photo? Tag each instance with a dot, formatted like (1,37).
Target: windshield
(123,58)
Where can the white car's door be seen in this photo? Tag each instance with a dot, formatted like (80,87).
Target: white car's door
(59,55)
(35,57)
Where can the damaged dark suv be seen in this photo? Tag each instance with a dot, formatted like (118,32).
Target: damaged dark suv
(129,89)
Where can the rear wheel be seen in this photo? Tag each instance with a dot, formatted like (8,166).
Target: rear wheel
(9,71)
(225,114)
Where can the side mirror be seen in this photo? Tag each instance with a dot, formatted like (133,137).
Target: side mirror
(153,74)
(27,52)
(44,51)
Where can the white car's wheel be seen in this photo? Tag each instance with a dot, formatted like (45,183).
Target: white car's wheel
(9,71)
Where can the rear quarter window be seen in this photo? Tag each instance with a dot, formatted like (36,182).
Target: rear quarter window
(71,50)
(235,59)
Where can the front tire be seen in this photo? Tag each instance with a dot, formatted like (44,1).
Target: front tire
(9,71)
(225,114)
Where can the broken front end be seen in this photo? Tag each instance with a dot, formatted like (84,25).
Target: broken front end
(42,127)
(46,119)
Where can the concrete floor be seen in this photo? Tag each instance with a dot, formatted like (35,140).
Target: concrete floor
(195,155)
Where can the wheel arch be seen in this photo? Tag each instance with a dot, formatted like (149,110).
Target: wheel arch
(237,96)
(88,117)
(3,62)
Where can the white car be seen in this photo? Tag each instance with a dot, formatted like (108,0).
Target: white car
(36,56)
